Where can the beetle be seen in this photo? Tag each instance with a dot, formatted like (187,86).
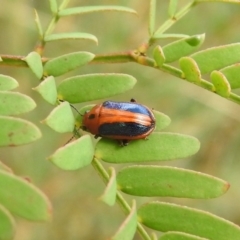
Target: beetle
(124,121)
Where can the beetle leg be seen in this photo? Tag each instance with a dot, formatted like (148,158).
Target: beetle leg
(97,136)
(123,142)
(83,128)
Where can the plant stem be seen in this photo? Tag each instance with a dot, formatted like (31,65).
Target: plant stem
(120,199)
(40,47)
(122,57)
(13,61)
(152,16)
(166,25)
(235,98)
(51,25)
(16,61)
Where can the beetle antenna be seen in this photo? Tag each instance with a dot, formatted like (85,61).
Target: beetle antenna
(72,107)
(75,109)
(75,133)
(73,136)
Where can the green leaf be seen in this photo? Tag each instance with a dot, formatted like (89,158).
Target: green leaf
(217,57)
(158,56)
(172,8)
(34,62)
(74,155)
(89,87)
(7,83)
(171,217)
(8,225)
(169,35)
(16,131)
(152,16)
(61,119)
(38,24)
(128,227)
(221,84)
(53,6)
(190,69)
(92,9)
(162,120)
(48,90)
(13,103)
(182,47)
(109,195)
(22,198)
(64,4)
(171,235)
(232,74)
(196,40)
(65,63)
(72,36)
(159,147)
(168,181)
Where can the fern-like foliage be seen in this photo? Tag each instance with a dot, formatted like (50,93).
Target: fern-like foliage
(144,176)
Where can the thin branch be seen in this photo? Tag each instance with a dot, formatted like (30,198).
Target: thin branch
(124,57)
(120,199)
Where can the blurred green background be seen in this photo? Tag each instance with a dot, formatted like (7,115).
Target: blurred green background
(77,212)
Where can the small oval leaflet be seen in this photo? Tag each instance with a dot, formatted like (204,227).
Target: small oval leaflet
(169,181)
(74,155)
(190,70)
(232,74)
(32,205)
(91,9)
(7,83)
(48,90)
(158,147)
(217,57)
(16,131)
(97,86)
(166,217)
(221,84)
(183,47)
(34,62)
(65,63)
(15,103)
(8,224)
(72,35)
(61,119)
